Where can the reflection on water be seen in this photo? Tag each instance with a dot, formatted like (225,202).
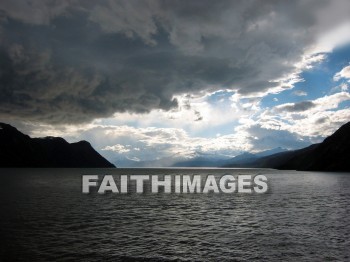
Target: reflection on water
(304,216)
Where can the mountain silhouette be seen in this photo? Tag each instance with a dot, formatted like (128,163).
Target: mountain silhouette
(333,154)
(243,159)
(20,150)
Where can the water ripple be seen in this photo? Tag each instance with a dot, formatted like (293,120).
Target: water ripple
(304,216)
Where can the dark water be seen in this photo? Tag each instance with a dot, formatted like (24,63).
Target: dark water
(303,217)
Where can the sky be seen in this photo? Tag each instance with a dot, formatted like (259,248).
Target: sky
(150,80)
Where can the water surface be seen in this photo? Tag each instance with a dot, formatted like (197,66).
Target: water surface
(304,216)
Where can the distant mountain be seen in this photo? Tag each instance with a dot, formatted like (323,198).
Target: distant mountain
(196,159)
(19,150)
(271,152)
(163,162)
(244,157)
(333,154)
(216,161)
(199,161)
(247,158)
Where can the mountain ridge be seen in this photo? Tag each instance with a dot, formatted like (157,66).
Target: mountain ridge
(244,157)
(332,154)
(20,150)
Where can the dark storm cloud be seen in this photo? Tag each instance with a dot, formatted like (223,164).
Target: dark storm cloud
(296,107)
(73,61)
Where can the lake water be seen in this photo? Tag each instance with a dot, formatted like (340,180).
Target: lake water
(304,216)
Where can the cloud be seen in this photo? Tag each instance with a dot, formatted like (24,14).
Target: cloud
(265,138)
(311,119)
(75,61)
(344,73)
(295,107)
(155,143)
(120,149)
(198,116)
(300,93)
(35,12)
(337,36)
(343,87)
(290,128)
(149,143)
